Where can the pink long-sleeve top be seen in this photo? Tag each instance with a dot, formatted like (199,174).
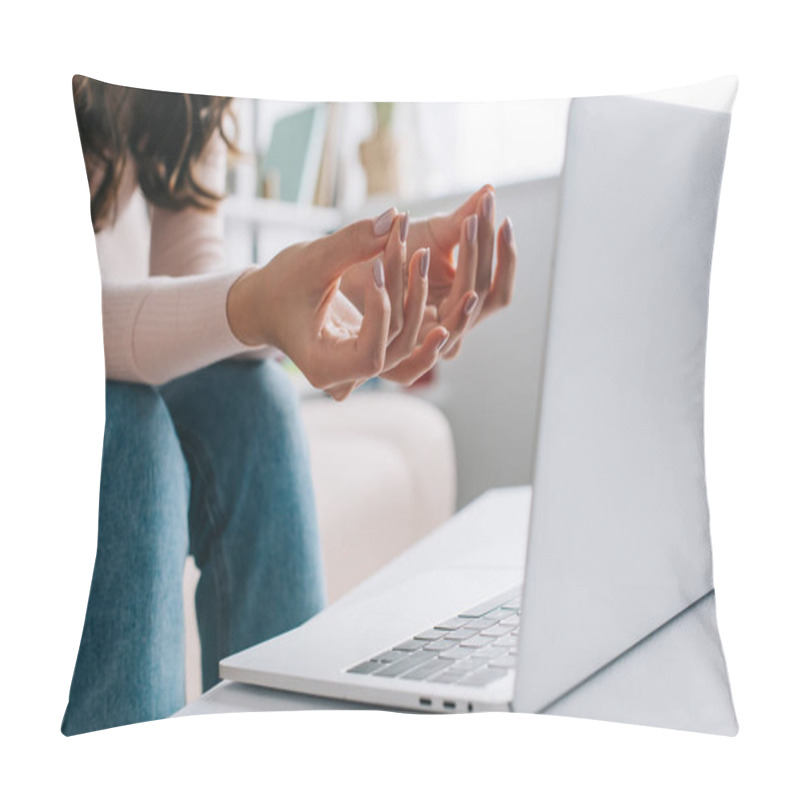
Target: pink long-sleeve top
(165,284)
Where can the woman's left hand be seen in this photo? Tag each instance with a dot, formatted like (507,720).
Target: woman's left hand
(461,292)
(429,317)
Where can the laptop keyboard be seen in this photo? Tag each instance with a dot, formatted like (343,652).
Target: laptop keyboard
(476,648)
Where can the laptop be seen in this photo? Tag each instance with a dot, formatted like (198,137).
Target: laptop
(601,573)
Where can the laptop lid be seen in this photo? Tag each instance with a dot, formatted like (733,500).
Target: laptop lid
(619,541)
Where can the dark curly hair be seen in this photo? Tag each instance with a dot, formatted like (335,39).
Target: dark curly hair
(164,132)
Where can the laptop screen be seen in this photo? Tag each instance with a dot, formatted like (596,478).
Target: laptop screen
(619,539)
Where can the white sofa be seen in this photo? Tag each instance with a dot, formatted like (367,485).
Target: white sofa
(383,467)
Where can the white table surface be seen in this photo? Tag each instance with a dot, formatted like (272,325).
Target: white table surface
(499,514)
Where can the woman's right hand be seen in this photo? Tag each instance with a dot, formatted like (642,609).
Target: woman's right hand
(293,303)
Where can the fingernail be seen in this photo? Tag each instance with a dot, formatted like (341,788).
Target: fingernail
(383,223)
(404,228)
(508,231)
(487,205)
(377,273)
(443,342)
(424,263)
(472,228)
(470,304)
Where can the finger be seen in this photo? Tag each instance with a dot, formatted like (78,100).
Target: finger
(403,346)
(446,229)
(341,391)
(483,275)
(354,358)
(421,360)
(459,319)
(395,263)
(374,333)
(331,255)
(503,285)
(467,266)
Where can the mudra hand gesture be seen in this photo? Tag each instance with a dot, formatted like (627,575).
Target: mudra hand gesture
(461,289)
(353,305)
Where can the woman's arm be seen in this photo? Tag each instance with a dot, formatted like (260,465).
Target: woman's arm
(176,322)
(161,328)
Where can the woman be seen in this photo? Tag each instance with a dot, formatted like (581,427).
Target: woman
(203,450)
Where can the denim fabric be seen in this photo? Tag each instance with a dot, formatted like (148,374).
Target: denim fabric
(214,464)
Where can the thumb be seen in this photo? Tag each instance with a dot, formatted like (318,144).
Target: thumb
(331,255)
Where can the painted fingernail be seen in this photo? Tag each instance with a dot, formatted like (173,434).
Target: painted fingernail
(404,228)
(508,231)
(487,205)
(469,307)
(443,342)
(424,263)
(383,222)
(472,228)
(377,273)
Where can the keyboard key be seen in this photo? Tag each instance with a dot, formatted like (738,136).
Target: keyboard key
(512,620)
(505,641)
(478,640)
(463,633)
(504,662)
(458,652)
(479,624)
(450,676)
(366,668)
(489,605)
(433,633)
(426,670)
(495,630)
(471,664)
(498,614)
(453,624)
(404,665)
(441,644)
(483,677)
(491,652)
(390,656)
(411,644)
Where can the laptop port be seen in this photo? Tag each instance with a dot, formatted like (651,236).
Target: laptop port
(449,705)
(425,701)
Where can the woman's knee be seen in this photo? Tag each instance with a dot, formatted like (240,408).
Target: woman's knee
(139,427)
(257,403)
(144,479)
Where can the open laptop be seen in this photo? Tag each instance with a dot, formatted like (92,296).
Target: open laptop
(617,541)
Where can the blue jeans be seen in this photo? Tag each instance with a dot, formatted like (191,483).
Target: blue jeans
(213,464)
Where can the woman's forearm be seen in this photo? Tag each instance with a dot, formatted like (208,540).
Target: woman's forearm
(161,328)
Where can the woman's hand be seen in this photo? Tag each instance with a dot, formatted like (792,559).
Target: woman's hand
(409,354)
(460,294)
(293,303)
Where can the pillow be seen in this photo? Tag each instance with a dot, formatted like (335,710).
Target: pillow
(219,449)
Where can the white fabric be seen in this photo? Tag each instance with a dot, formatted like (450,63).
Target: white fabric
(620,539)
